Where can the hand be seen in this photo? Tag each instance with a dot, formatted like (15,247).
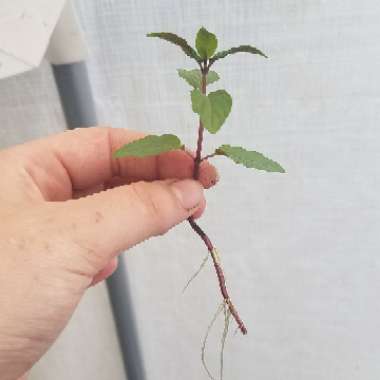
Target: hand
(67,210)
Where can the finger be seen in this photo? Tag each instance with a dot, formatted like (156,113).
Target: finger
(109,222)
(106,272)
(91,190)
(200,210)
(208,175)
(25,377)
(118,182)
(82,158)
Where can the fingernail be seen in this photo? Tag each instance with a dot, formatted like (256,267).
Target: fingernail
(188,192)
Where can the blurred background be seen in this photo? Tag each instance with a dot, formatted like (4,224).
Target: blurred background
(300,250)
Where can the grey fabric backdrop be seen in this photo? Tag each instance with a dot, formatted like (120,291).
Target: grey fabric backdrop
(301,250)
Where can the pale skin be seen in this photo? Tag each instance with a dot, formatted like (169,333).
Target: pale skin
(68,209)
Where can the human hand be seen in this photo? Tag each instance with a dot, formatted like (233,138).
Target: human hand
(56,239)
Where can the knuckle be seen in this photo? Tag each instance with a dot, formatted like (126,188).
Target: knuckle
(154,200)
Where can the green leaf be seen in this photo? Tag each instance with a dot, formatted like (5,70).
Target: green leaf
(200,104)
(211,77)
(149,146)
(179,41)
(239,49)
(206,43)
(250,159)
(194,77)
(212,109)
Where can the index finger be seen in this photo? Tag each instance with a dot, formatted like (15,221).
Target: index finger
(84,155)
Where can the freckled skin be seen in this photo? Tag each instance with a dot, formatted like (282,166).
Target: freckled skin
(21,244)
(56,239)
(98,217)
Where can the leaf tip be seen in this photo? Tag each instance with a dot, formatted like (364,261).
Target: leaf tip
(205,43)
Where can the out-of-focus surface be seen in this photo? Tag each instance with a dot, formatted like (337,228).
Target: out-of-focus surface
(300,250)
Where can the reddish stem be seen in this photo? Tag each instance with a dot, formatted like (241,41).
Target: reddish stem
(208,156)
(220,275)
(198,158)
(200,232)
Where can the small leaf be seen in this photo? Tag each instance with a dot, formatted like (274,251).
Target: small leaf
(212,109)
(179,41)
(239,49)
(149,146)
(212,77)
(250,159)
(194,77)
(206,43)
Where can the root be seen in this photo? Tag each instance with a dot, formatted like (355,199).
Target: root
(193,277)
(227,316)
(221,307)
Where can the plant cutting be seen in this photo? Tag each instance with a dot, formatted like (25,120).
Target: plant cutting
(213,109)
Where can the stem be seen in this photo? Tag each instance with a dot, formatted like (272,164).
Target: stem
(220,274)
(198,156)
(198,159)
(200,232)
(208,156)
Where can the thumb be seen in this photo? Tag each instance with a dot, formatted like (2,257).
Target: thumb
(109,222)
